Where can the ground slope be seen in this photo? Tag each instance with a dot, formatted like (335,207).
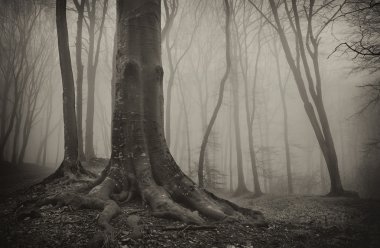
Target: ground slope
(294,221)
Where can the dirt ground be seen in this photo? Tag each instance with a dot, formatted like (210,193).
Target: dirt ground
(294,221)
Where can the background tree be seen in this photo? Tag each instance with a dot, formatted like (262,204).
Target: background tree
(244,42)
(282,86)
(92,64)
(79,79)
(307,46)
(220,98)
(71,167)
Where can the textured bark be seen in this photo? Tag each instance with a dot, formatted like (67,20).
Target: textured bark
(141,160)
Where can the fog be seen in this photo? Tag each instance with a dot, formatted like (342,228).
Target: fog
(197,51)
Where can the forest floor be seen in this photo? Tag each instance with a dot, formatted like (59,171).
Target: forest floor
(293,221)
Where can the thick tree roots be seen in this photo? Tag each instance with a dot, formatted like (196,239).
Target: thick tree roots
(178,199)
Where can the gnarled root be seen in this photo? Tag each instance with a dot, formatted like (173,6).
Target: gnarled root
(98,198)
(209,205)
(157,197)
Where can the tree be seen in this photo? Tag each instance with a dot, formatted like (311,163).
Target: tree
(16,66)
(362,43)
(92,65)
(140,163)
(174,62)
(243,46)
(23,72)
(220,97)
(234,80)
(282,87)
(71,166)
(79,80)
(307,52)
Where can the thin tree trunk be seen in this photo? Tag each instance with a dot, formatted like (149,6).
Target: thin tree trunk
(186,125)
(92,64)
(169,90)
(58,143)
(48,119)
(219,102)
(282,88)
(319,123)
(69,118)
(16,138)
(250,114)
(241,187)
(79,79)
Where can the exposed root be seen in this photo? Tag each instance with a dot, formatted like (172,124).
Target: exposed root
(209,205)
(98,198)
(256,218)
(157,197)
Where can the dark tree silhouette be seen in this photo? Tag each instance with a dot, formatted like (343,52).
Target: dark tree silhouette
(71,167)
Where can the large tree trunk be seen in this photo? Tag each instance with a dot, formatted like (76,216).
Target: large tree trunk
(140,161)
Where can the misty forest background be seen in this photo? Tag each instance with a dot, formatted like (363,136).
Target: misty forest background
(193,53)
